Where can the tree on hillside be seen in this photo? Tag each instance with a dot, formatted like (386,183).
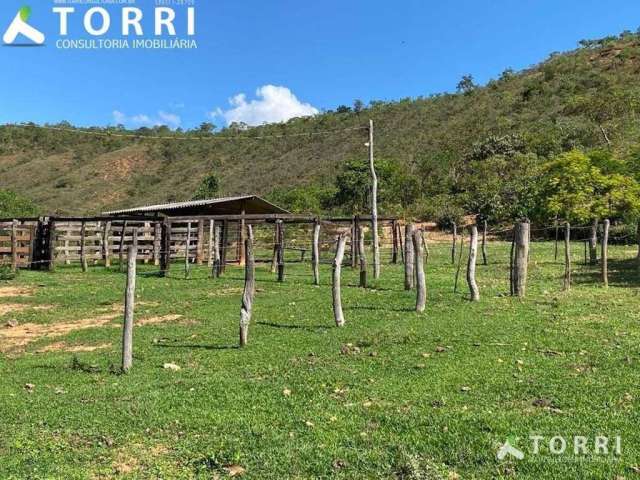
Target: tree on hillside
(208,188)
(14,205)
(466,84)
(576,189)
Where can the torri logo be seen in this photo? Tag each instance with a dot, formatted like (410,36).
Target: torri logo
(20,27)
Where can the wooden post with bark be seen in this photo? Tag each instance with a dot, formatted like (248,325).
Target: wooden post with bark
(224,240)
(186,251)
(249,288)
(605,252)
(454,243)
(555,247)
(593,243)
(400,242)
(276,237)
(200,244)
(374,207)
(281,251)
(315,252)
(638,242)
(520,259)
(421,288)
(165,253)
(409,266)
(484,243)
(50,244)
(338,315)
(106,245)
(394,236)
(212,225)
(471,264)
(363,258)
(567,256)
(121,249)
(216,268)
(129,301)
(353,250)
(83,249)
(157,242)
(14,246)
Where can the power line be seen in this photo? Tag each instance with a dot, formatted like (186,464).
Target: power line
(214,137)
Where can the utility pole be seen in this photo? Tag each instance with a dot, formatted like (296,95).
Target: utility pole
(374,206)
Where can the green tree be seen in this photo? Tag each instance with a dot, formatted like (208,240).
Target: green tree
(13,205)
(208,188)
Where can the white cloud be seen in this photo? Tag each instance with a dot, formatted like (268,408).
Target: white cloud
(272,104)
(171,120)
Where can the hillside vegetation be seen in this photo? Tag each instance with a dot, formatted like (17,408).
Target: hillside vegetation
(480,150)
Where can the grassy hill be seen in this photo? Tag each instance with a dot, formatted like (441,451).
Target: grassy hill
(586,98)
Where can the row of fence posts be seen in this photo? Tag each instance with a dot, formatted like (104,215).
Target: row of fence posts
(414,253)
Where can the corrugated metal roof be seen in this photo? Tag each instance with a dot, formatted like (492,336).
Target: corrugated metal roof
(192,203)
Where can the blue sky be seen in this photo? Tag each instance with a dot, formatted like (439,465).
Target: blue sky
(325,53)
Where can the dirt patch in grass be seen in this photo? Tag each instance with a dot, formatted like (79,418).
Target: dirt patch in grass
(226,291)
(16,338)
(6,292)
(63,347)
(156,320)
(18,307)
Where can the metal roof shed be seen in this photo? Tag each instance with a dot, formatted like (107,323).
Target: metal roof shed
(240,205)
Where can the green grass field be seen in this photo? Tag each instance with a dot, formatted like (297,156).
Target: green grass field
(393,394)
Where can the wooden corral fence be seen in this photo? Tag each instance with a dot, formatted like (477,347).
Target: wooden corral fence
(45,242)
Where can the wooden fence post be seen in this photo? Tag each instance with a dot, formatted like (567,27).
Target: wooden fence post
(121,250)
(50,240)
(459,267)
(567,256)
(471,264)
(355,229)
(281,252)
(520,259)
(83,252)
(400,242)
(186,251)
(212,225)
(555,249)
(165,253)
(593,243)
(217,267)
(315,252)
(605,253)
(249,288)
(338,315)
(484,243)
(106,247)
(394,236)
(200,243)
(224,240)
(129,301)
(409,266)
(421,288)
(454,243)
(157,242)
(276,240)
(14,246)
(363,258)
(638,242)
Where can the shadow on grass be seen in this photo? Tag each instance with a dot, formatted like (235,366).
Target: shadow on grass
(622,273)
(196,346)
(294,327)
(381,308)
